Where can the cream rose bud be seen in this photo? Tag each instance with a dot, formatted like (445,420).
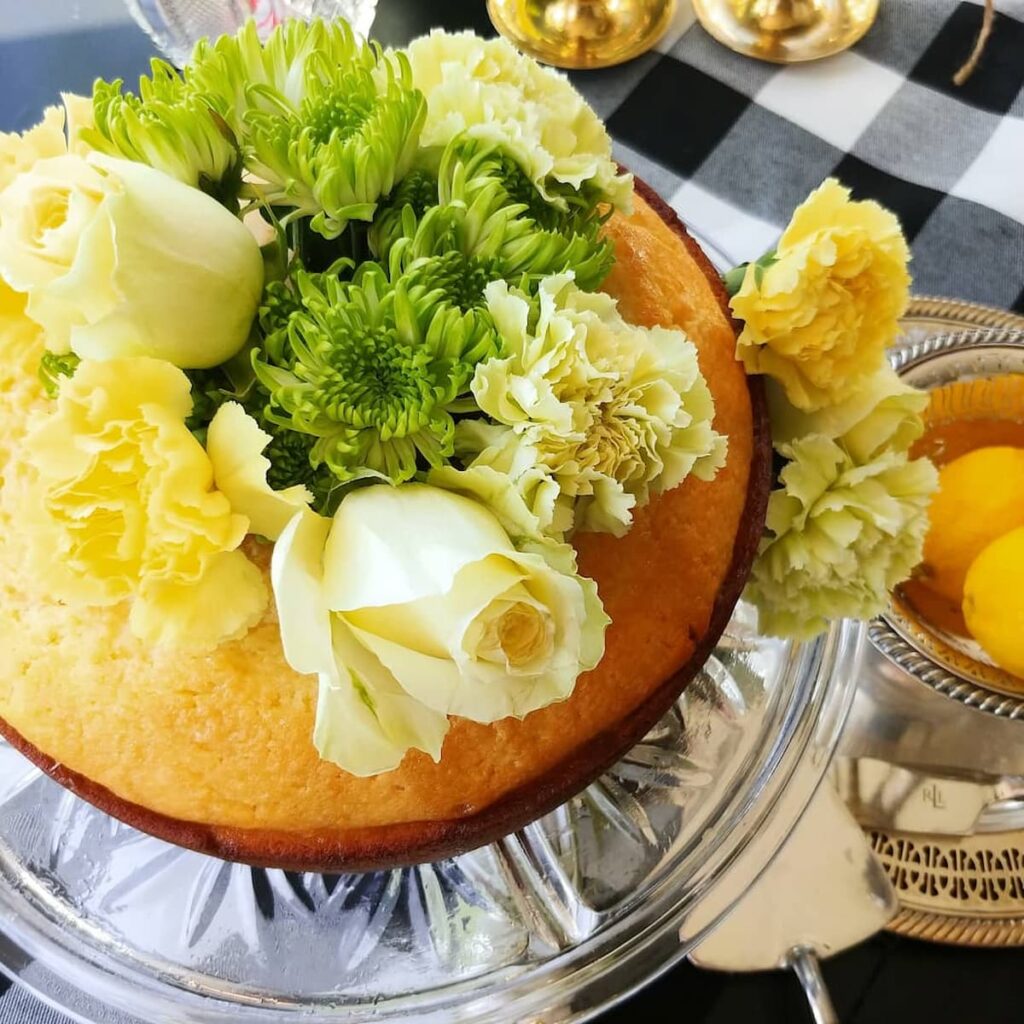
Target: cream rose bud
(118,259)
(413,605)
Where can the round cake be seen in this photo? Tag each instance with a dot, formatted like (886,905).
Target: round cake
(213,751)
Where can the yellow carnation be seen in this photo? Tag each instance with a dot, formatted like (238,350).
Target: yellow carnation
(235,443)
(819,317)
(21,347)
(124,508)
(20,151)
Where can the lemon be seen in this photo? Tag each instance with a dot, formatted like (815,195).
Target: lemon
(994,601)
(980,497)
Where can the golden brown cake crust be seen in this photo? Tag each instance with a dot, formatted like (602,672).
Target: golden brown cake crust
(215,752)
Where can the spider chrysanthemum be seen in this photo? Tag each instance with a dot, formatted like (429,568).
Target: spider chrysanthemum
(328,123)
(486,207)
(171,127)
(373,370)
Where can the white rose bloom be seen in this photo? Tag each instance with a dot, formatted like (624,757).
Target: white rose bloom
(118,259)
(412,605)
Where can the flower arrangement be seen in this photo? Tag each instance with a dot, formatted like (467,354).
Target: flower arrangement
(848,520)
(344,302)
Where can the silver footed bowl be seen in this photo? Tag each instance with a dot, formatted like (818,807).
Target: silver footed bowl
(954,665)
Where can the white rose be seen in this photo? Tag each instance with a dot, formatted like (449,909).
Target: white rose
(414,605)
(118,259)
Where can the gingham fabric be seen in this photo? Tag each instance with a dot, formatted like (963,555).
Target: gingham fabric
(733,144)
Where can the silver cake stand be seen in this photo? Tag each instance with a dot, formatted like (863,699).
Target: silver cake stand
(552,924)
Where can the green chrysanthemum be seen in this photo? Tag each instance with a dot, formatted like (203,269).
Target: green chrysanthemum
(236,73)
(399,214)
(374,370)
(291,463)
(328,123)
(461,278)
(170,127)
(488,209)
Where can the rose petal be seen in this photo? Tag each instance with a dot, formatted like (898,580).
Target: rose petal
(365,722)
(391,545)
(296,571)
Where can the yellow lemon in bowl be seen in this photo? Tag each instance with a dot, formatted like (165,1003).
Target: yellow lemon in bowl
(980,498)
(994,601)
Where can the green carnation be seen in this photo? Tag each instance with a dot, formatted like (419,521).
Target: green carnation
(170,127)
(328,123)
(373,370)
(840,535)
(489,210)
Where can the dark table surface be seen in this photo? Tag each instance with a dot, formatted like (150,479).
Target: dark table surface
(886,980)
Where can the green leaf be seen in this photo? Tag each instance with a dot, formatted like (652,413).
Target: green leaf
(53,368)
(733,279)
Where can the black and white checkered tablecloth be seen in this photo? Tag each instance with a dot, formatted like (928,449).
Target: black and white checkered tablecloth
(734,145)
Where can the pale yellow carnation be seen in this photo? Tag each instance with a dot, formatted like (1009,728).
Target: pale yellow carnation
(20,150)
(235,443)
(122,507)
(819,318)
(508,475)
(610,412)
(839,536)
(881,413)
(489,90)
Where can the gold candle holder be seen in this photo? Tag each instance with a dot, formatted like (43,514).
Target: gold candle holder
(582,33)
(787,31)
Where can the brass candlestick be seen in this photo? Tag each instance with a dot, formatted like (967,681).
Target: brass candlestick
(787,31)
(582,33)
